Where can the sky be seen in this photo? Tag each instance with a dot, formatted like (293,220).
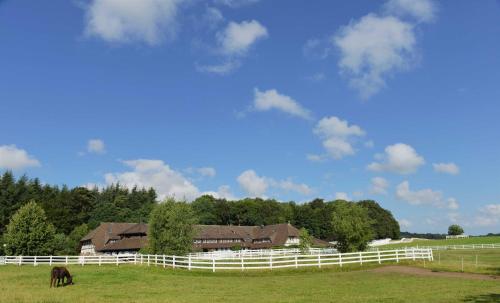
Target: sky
(395,101)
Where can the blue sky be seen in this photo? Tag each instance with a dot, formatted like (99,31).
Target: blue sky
(393,100)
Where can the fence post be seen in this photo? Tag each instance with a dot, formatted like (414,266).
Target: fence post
(271,262)
(242,262)
(83,260)
(66,260)
(189,262)
(135,259)
(173,261)
(34,261)
(116,260)
(361,258)
(319,261)
(148,260)
(340,259)
(378,255)
(296,261)
(413,252)
(50,260)
(397,256)
(213,263)
(156,260)
(164,261)
(20,260)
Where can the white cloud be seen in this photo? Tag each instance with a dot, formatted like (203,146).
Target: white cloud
(15,158)
(422,10)
(446,168)
(489,215)
(223,68)
(316,49)
(149,21)
(236,3)
(253,184)
(424,197)
(398,158)
(156,174)
(337,136)
(238,38)
(257,186)
(96,146)
(223,192)
(271,99)
(379,186)
(289,185)
(315,158)
(372,48)
(213,17)
(404,223)
(342,196)
(207,171)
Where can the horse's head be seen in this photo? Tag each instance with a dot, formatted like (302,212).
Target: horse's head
(70,280)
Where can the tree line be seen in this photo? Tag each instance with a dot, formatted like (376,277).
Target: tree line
(72,212)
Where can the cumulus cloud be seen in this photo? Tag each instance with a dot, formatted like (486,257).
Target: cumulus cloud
(236,3)
(271,99)
(15,158)
(404,223)
(342,196)
(96,146)
(489,215)
(424,197)
(253,184)
(149,21)
(446,168)
(223,192)
(238,38)
(398,158)
(257,186)
(337,136)
(372,48)
(156,174)
(422,10)
(379,186)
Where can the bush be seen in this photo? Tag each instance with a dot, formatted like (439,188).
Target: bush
(351,227)
(455,230)
(29,233)
(171,228)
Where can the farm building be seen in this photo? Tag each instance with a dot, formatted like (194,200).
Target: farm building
(118,238)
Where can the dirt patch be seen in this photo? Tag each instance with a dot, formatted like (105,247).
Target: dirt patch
(427,272)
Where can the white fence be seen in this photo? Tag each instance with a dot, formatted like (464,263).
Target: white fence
(237,254)
(461,246)
(243,263)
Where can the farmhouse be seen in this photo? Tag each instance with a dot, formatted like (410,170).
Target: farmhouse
(118,238)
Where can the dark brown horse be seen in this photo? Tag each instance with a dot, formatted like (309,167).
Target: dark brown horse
(58,274)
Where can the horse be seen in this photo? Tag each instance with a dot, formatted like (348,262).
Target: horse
(59,273)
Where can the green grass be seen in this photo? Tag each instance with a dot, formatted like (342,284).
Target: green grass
(488,261)
(471,240)
(151,284)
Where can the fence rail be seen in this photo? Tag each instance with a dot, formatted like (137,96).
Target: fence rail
(237,254)
(243,263)
(459,246)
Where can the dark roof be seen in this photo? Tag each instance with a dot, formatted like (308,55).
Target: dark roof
(139,228)
(135,243)
(106,231)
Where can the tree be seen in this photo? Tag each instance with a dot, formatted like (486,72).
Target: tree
(73,239)
(455,230)
(351,226)
(171,228)
(305,240)
(383,223)
(29,232)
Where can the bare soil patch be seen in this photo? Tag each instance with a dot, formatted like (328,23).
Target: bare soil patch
(427,272)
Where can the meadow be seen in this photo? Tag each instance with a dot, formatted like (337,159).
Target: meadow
(128,283)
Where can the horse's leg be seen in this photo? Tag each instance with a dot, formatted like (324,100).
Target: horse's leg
(51,279)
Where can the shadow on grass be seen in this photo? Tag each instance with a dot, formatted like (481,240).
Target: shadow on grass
(486,298)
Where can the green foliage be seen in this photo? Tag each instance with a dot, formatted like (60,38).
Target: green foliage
(455,230)
(29,232)
(73,239)
(383,223)
(171,228)
(236,247)
(60,245)
(351,226)
(305,240)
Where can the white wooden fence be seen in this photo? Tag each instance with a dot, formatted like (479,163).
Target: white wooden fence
(243,263)
(237,254)
(460,246)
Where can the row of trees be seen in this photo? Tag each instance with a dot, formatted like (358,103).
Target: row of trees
(68,214)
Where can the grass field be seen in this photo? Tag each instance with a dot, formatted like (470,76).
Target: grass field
(150,284)
(471,240)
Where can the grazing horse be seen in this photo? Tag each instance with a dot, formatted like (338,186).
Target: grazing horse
(59,273)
